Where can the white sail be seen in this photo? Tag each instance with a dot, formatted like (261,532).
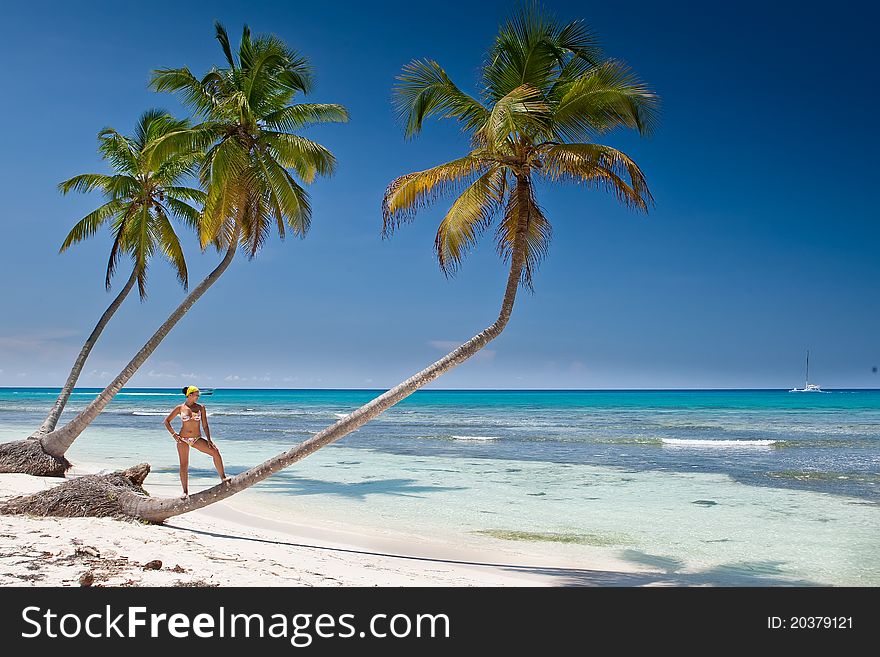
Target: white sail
(808,387)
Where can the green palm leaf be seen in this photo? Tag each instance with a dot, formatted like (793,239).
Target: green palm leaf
(89,225)
(607,97)
(171,248)
(424,90)
(296,117)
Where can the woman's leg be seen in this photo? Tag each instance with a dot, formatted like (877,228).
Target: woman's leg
(202,445)
(183,455)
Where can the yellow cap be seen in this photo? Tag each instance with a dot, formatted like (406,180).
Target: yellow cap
(191,390)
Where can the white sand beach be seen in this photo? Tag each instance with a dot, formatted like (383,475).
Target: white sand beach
(232,543)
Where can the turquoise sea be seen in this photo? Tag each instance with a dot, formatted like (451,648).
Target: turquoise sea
(739,487)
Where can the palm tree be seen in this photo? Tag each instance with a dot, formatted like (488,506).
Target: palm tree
(142,193)
(248,119)
(546,93)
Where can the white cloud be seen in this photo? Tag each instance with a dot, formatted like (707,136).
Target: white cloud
(153,374)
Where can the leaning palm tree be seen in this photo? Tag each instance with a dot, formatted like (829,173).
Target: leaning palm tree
(144,191)
(546,93)
(248,119)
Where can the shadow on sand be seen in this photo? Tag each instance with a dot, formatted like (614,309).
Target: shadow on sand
(729,575)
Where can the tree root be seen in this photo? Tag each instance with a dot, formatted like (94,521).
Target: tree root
(89,495)
(28,457)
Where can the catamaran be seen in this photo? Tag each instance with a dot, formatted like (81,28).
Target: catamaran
(808,387)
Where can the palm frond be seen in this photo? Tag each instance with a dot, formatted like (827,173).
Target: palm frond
(413,191)
(118,150)
(118,247)
(522,208)
(223,176)
(146,127)
(193,92)
(186,193)
(607,97)
(185,212)
(521,111)
(223,38)
(423,90)
(304,156)
(600,166)
(177,166)
(195,139)
(85,182)
(170,246)
(532,47)
(295,117)
(470,214)
(288,197)
(140,237)
(580,41)
(89,225)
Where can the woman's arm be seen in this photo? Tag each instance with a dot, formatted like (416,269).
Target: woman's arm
(173,414)
(205,424)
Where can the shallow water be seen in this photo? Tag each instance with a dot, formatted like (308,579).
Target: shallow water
(733,487)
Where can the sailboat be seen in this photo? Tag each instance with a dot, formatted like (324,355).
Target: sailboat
(808,387)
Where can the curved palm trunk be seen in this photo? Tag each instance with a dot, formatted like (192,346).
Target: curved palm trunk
(52,418)
(160,509)
(57,442)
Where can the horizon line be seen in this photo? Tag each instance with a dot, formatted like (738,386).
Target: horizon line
(215,388)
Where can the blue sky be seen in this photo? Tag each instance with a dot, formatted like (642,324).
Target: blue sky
(763,242)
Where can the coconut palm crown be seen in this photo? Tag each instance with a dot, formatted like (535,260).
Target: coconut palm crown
(144,191)
(247,122)
(546,93)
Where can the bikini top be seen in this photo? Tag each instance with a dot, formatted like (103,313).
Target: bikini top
(193,415)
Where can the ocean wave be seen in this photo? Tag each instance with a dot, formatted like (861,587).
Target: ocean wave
(693,442)
(476,438)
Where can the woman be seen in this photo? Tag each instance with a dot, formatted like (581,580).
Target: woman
(194,416)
